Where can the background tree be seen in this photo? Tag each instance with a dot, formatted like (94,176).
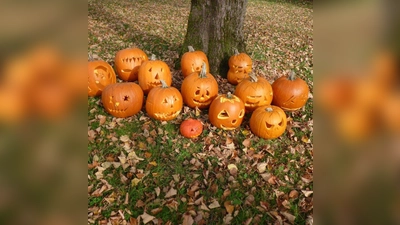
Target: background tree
(216,27)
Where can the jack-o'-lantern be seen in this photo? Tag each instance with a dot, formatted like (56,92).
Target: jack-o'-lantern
(226,111)
(268,122)
(127,63)
(240,65)
(255,92)
(192,61)
(164,102)
(122,99)
(151,73)
(290,93)
(100,74)
(199,89)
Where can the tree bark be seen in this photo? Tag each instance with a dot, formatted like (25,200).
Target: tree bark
(216,28)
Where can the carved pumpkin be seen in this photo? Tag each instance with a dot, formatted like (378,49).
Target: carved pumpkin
(164,102)
(268,122)
(226,111)
(100,74)
(254,92)
(127,63)
(122,99)
(192,61)
(240,65)
(199,89)
(191,128)
(290,93)
(152,72)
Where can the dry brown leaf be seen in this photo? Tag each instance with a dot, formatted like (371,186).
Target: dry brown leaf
(171,192)
(135,182)
(156,211)
(227,219)
(214,204)
(187,219)
(124,138)
(229,207)
(261,167)
(157,189)
(307,193)
(289,217)
(246,142)
(146,217)
(293,194)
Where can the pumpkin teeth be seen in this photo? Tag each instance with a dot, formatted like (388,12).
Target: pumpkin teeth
(155,83)
(199,102)
(117,110)
(227,128)
(166,115)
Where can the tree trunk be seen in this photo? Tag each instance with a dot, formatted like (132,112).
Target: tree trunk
(216,28)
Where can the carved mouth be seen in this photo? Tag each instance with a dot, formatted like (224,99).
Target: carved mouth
(167,115)
(227,128)
(117,110)
(248,104)
(126,71)
(200,102)
(155,83)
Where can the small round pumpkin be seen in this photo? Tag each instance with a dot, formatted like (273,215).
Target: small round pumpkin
(199,89)
(191,128)
(226,111)
(122,99)
(192,61)
(100,74)
(127,63)
(164,102)
(240,65)
(290,93)
(268,122)
(254,92)
(151,73)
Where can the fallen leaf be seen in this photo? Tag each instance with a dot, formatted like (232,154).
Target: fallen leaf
(229,207)
(132,155)
(187,219)
(171,193)
(261,167)
(246,143)
(124,138)
(307,193)
(289,217)
(214,204)
(146,217)
(157,189)
(227,219)
(135,182)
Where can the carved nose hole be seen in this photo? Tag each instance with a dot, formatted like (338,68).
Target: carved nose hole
(156,77)
(197,68)
(233,121)
(126,98)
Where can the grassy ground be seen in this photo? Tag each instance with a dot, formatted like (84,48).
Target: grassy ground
(142,171)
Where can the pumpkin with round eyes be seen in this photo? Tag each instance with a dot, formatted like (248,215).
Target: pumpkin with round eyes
(191,128)
(164,102)
(290,93)
(268,122)
(192,61)
(127,63)
(255,92)
(199,89)
(240,65)
(152,72)
(122,99)
(226,112)
(100,74)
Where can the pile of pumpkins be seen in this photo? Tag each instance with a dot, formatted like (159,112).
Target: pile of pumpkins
(253,94)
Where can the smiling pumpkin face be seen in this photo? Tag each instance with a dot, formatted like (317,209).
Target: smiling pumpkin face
(226,112)
(152,72)
(255,92)
(127,63)
(164,102)
(100,74)
(122,99)
(240,65)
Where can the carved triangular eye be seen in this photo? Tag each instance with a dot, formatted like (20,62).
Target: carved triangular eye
(269,126)
(223,114)
(165,101)
(241,114)
(197,92)
(207,93)
(151,68)
(281,123)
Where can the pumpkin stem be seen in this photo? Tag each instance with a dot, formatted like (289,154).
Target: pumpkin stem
(292,76)
(229,95)
(235,51)
(153,57)
(163,84)
(253,77)
(203,72)
(191,49)
(269,109)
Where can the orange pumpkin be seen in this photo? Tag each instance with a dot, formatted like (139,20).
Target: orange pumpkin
(127,63)
(152,72)
(192,61)
(226,111)
(290,93)
(268,122)
(199,89)
(191,128)
(254,92)
(164,102)
(240,65)
(100,74)
(122,99)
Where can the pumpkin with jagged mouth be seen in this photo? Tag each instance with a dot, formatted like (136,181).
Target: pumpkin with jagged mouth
(122,99)
(164,102)
(240,65)
(226,112)
(268,122)
(254,92)
(127,63)
(192,61)
(100,74)
(152,72)
(199,89)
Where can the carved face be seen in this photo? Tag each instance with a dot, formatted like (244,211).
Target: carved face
(151,73)
(240,65)
(268,122)
(164,103)
(226,112)
(199,90)
(192,61)
(100,74)
(122,99)
(127,63)
(255,92)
